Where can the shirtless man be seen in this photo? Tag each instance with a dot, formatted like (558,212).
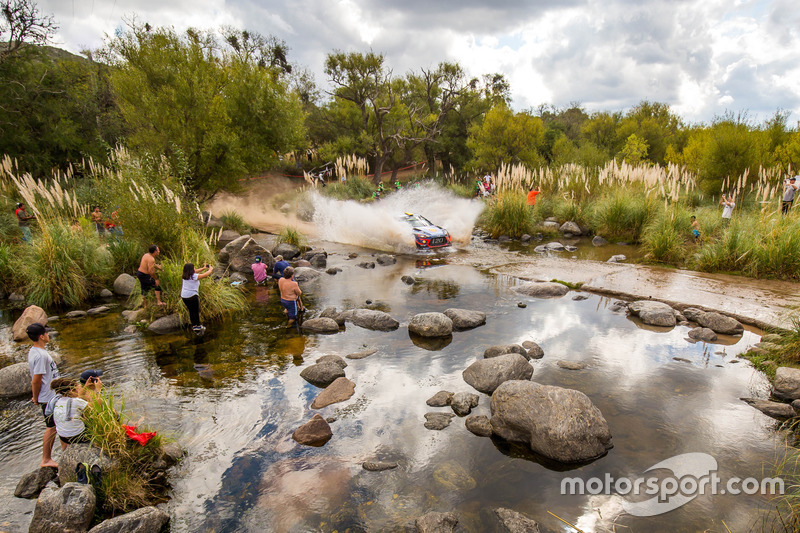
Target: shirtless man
(147,274)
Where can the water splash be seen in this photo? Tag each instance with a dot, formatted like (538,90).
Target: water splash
(376,224)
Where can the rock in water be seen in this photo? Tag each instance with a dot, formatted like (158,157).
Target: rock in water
(431,325)
(534,350)
(362,354)
(463,402)
(436,523)
(124,284)
(288,251)
(781,411)
(571,365)
(485,375)
(385,259)
(543,289)
(653,313)
(76,314)
(338,391)
(465,319)
(366,264)
(703,334)
(438,421)
(142,520)
(320,325)
(306,274)
(322,374)
(479,425)
(332,359)
(15,380)
(570,227)
(720,323)
(440,399)
(32,483)
(408,280)
(560,424)
(82,453)
(32,314)
(786,385)
(69,509)
(503,349)
(619,258)
(374,320)
(315,432)
(98,310)
(165,324)
(515,522)
(378,466)
(599,241)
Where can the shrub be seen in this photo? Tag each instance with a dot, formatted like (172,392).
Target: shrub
(355,188)
(6,267)
(508,214)
(233,220)
(622,214)
(663,237)
(461,190)
(291,235)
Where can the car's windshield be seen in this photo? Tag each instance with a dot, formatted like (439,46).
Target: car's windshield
(417,221)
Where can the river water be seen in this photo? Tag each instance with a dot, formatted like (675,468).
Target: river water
(234,397)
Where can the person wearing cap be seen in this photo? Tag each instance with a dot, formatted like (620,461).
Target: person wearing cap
(43,371)
(23,219)
(67,406)
(789,188)
(259,271)
(190,292)
(290,294)
(279,267)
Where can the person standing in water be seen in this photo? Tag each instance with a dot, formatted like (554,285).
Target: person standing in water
(290,294)
(190,293)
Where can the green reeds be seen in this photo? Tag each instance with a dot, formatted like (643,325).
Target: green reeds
(291,235)
(622,214)
(232,220)
(507,213)
(663,237)
(355,188)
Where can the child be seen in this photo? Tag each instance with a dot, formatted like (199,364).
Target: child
(695,229)
(190,293)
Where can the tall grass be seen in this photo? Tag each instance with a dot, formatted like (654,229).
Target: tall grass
(622,214)
(355,188)
(664,236)
(508,214)
(234,221)
(291,235)
(125,255)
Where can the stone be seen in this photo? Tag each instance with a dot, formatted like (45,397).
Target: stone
(133,316)
(366,264)
(619,258)
(320,325)
(515,522)
(437,421)
(352,255)
(340,390)
(503,349)
(653,313)
(241,258)
(720,323)
(31,315)
(599,241)
(781,411)
(322,374)
(465,319)
(331,312)
(81,453)
(570,227)
(796,407)
(580,297)
(302,263)
(542,289)
(287,250)
(786,385)
(479,425)
(378,466)
(386,259)
(560,424)
(463,402)
(311,253)
(16,297)
(554,246)
(106,294)
(15,380)
(522,305)
(98,310)
(408,280)
(431,325)
(319,261)
(534,350)
(453,476)
(315,432)
(306,274)
(486,375)
(692,313)
(570,248)
(440,399)
(703,334)
(32,483)
(165,324)
(362,354)
(69,509)
(374,320)
(550,225)
(228,236)
(571,365)
(541,249)
(525,237)
(76,314)
(436,523)
(335,359)
(333,271)
(142,520)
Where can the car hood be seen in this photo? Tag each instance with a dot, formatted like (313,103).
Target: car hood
(430,231)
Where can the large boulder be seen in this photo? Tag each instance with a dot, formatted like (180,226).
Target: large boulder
(32,483)
(465,319)
(720,323)
(322,374)
(431,325)
(320,325)
(244,257)
(786,385)
(515,522)
(653,313)
(436,523)
(69,509)
(485,375)
(82,453)
(503,349)
(124,284)
(306,274)
(143,520)
(315,432)
(165,324)
(319,261)
(560,424)
(373,319)
(227,236)
(287,250)
(543,289)
(338,391)
(31,315)
(232,248)
(570,227)
(15,380)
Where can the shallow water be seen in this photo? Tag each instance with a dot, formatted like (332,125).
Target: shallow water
(234,398)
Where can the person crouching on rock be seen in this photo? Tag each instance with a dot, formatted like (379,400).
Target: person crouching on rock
(68,407)
(279,267)
(190,292)
(290,294)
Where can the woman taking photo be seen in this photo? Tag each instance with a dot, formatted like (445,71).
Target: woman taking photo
(67,408)
(190,290)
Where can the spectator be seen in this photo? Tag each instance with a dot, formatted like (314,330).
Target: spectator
(259,271)
(43,371)
(67,407)
(532,194)
(279,267)
(695,229)
(190,293)
(23,219)
(789,188)
(727,210)
(146,274)
(97,219)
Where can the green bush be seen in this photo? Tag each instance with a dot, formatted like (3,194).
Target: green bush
(291,235)
(621,214)
(233,220)
(6,267)
(507,213)
(663,237)
(355,188)
(125,255)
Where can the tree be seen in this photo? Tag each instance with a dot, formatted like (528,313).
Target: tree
(506,138)
(635,150)
(21,24)
(654,123)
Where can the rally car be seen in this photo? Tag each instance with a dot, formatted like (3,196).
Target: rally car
(426,234)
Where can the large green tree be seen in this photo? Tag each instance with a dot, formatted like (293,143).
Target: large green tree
(505,137)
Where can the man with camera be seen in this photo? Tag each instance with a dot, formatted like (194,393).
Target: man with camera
(789,188)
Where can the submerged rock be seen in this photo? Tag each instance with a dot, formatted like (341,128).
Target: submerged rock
(543,289)
(599,241)
(486,375)
(515,522)
(436,523)
(315,432)
(465,319)
(378,466)
(571,365)
(340,390)
(366,264)
(431,325)
(479,425)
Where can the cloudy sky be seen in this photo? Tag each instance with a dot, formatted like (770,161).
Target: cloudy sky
(702,57)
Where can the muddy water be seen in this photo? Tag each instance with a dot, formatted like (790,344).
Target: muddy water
(234,397)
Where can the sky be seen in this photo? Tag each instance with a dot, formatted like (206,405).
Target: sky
(702,57)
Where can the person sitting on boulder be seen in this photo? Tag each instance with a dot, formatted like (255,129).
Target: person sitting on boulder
(279,267)
(259,271)
(67,406)
(290,294)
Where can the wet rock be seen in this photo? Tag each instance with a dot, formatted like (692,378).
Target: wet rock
(75,314)
(352,255)
(503,349)
(378,466)
(438,421)
(362,354)
(366,264)
(320,325)
(570,248)
(436,523)
(534,350)
(333,271)
(554,247)
(703,334)
(560,424)
(454,477)
(479,425)
(322,374)
(619,258)
(465,319)
(781,411)
(570,227)
(431,325)
(385,259)
(143,520)
(237,277)
(124,284)
(288,251)
(98,310)
(319,261)
(525,237)
(306,274)
(302,263)
(54,318)
(542,289)
(503,238)
(617,307)
(653,313)
(679,317)
(15,380)
(571,365)
(106,294)
(338,391)
(681,359)
(31,315)
(599,241)
(331,312)
(165,324)
(541,249)
(374,320)
(81,453)
(580,297)
(486,375)
(335,359)
(309,255)
(522,305)
(515,522)
(720,323)
(440,399)
(315,432)
(692,313)
(463,402)
(786,385)
(133,316)
(32,483)
(69,509)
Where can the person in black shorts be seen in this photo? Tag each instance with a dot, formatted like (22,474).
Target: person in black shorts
(147,273)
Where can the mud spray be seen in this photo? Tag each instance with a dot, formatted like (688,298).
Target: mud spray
(377,224)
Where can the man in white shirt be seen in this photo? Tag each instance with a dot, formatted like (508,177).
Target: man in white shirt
(727,209)
(43,371)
